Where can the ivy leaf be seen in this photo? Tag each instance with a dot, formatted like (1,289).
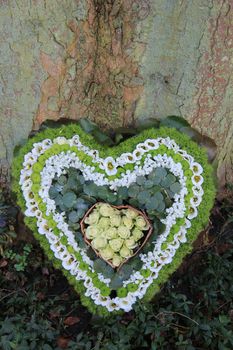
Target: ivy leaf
(87,125)
(102,138)
(174,122)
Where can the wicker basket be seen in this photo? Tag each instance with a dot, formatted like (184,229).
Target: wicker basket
(143,240)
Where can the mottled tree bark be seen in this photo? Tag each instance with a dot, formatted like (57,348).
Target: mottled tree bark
(118,63)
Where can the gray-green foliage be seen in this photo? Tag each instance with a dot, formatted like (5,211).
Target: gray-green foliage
(152,193)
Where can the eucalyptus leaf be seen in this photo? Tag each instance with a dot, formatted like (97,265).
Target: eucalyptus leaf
(158,197)
(116,282)
(143,196)
(135,263)
(99,265)
(160,172)
(122,192)
(74,216)
(62,180)
(133,190)
(175,187)
(140,180)
(148,184)
(53,192)
(69,199)
(91,254)
(161,207)
(80,240)
(58,200)
(152,204)
(102,138)
(125,271)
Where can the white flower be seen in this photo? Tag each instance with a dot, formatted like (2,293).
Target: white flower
(60,140)
(68,263)
(192,212)
(143,147)
(195,201)
(125,303)
(151,144)
(196,168)
(137,154)
(197,180)
(109,165)
(125,158)
(198,191)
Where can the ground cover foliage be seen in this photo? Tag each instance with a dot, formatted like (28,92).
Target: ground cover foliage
(194,310)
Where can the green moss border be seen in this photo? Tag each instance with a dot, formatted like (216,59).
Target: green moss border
(198,223)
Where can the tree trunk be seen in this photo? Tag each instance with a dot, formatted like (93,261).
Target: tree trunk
(118,63)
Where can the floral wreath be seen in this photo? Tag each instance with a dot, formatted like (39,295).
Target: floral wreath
(59,174)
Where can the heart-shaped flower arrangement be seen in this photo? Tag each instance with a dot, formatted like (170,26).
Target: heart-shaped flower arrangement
(61,173)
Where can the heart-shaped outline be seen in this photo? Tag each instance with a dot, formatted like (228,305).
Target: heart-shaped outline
(130,145)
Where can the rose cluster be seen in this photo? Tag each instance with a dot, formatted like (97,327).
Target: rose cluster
(115,233)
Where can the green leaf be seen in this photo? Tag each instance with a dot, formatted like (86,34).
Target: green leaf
(133,190)
(175,187)
(90,189)
(143,197)
(116,282)
(74,216)
(135,263)
(140,180)
(53,192)
(62,180)
(152,204)
(80,240)
(87,125)
(99,265)
(125,271)
(171,178)
(102,138)
(58,200)
(69,199)
(174,122)
(91,254)
(158,197)
(122,192)
(148,184)
(161,207)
